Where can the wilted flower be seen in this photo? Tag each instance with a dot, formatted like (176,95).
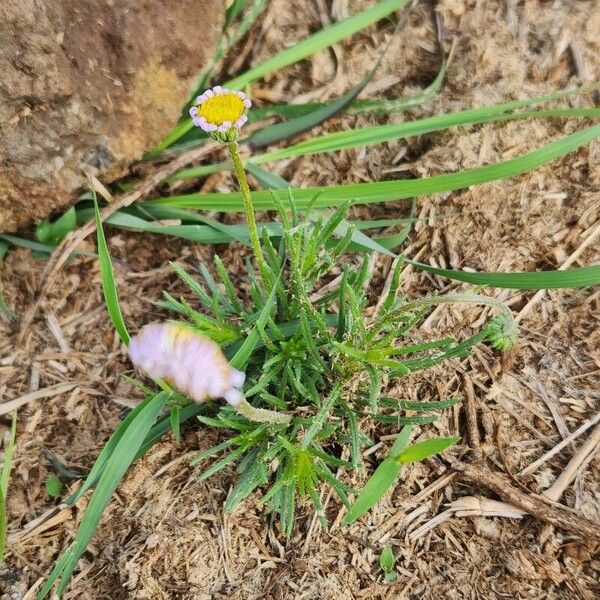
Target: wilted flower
(192,363)
(221,112)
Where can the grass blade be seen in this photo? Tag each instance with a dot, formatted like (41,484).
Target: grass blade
(107,276)
(381,480)
(9,449)
(242,356)
(384,191)
(282,131)
(366,136)
(268,180)
(104,456)
(381,133)
(116,466)
(425,449)
(536,280)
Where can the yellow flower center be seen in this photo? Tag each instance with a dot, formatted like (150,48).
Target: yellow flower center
(221,108)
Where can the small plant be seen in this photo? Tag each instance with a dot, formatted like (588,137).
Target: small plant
(300,352)
(386,562)
(53,486)
(320,357)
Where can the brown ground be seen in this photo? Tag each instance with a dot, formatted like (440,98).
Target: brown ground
(164,535)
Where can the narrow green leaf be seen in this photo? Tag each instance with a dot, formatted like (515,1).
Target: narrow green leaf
(360,137)
(366,136)
(233,11)
(379,483)
(116,466)
(384,191)
(287,129)
(254,476)
(425,449)
(419,406)
(9,449)
(175,418)
(382,479)
(372,105)
(401,441)
(109,286)
(222,463)
(14,240)
(163,425)
(320,418)
(268,180)
(107,452)
(398,420)
(535,280)
(242,356)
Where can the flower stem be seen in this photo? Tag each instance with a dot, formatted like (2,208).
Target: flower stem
(249,208)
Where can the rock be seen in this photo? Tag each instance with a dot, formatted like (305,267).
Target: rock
(88,86)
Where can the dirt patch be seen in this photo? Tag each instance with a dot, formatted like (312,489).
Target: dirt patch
(164,535)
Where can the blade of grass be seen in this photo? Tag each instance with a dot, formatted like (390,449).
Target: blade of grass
(425,449)
(13,240)
(109,286)
(268,180)
(384,191)
(282,131)
(9,449)
(104,456)
(243,354)
(196,136)
(536,280)
(318,41)
(287,129)
(366,136)
(116,466)
(376,135)
(375,105)
(382,479)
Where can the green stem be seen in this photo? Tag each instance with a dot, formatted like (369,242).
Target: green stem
(260,415)
(510,327)
(249,209)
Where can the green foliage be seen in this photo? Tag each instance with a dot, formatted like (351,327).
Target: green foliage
(320,358)
(383,191)
(109,286)
(54,233)
(318,41)
(53,486)
(9,449)
(116,464)
(386,562)
(425,449)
